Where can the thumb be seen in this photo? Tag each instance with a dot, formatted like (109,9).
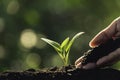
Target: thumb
(98,39)
(105,34)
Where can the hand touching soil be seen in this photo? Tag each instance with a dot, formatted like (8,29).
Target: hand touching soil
(104,36)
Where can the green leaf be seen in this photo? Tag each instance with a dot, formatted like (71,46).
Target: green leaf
(67,57)
(63,49)
(73,39)
(54,44)
(65,42)
(61,56)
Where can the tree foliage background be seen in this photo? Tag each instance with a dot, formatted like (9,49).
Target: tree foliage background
(24,22)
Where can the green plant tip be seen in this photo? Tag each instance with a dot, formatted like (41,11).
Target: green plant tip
(63,49)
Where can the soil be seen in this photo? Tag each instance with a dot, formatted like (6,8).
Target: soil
(70,72)
(102,50)
(64,73)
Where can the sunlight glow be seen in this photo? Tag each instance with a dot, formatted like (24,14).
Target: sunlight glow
(13,7)
(33,60)
(28,38)
(32,17)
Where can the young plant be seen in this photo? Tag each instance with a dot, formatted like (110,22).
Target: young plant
(63,49)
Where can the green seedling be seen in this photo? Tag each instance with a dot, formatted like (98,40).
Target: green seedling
(63,49)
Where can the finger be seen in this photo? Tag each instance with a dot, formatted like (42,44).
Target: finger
(79,65)
(102,62)
(111,58)
(79,60)
(99,38)
(89,66)
(117,35)
(106,62)
(106,34)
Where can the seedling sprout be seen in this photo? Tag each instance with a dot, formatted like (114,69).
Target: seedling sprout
(63,49)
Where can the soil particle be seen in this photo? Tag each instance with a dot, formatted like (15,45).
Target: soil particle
(102,50)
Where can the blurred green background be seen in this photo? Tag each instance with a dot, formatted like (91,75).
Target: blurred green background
(24,22)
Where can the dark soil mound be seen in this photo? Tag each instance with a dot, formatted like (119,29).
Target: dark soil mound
(64,73)
(102,50)
(70,72)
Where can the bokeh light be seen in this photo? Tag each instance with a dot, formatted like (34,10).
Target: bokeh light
(13,7)
(56,60)
(28,38)
(32,17)
(33,60)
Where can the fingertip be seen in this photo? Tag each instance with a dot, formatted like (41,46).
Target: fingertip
(101,37)
(92,44)
(79,60)
(79,65)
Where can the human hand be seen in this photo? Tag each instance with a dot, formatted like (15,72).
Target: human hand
(112,31)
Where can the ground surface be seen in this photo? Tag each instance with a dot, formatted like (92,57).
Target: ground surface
(64,73)
(70,72)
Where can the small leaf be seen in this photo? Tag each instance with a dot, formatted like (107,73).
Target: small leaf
(67,57)
(61,56)
(54,44)
(73,39)
(65,42)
